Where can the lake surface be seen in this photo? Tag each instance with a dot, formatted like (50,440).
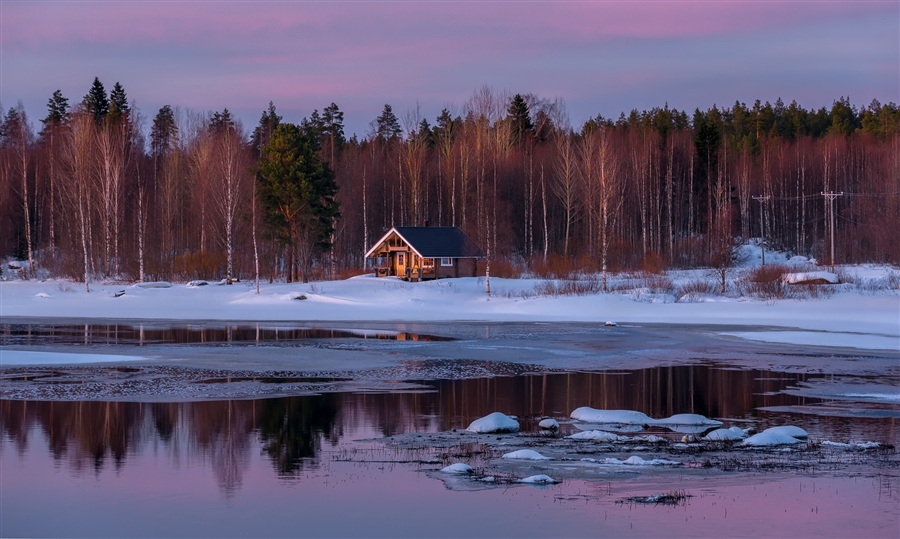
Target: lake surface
(365,462)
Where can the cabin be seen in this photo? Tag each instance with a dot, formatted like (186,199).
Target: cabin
(421,253)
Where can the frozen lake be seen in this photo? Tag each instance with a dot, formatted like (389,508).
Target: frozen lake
(151,433)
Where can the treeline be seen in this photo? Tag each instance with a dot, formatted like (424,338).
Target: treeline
(102,192)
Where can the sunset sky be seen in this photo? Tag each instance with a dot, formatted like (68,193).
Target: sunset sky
(599,57)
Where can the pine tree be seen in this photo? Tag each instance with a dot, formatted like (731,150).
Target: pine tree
(96,102)
(387,126)
(297,192)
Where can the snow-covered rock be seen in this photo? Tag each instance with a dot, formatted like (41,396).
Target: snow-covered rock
(42,295)
(525,454)
(458,468)
(597,436)
(539,479)
(495,422)
(786,435)
(549,424)
(725,435)
(613,417)
(690,420)
(610,323)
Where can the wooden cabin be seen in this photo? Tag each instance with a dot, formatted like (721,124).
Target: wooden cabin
(420,253)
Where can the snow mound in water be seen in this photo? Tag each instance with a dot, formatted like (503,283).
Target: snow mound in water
(525,454)
(777,436)
(458,468)
(687,420)
(790,430)
(539,479)
(495,422)
(725,435)
(597,436)
(616,417)
(42,295)
(550,424)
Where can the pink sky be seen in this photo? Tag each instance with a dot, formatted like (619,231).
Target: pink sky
(599,57)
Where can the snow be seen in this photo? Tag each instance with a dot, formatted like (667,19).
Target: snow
(785,435)
(686,420)
(538,479)
(549,424)
(678,422)
(458,468)
(850,317)
(852,445)
(495,422)
(724,435)
(610,417)
(597,436)
(525,454)
(802,277)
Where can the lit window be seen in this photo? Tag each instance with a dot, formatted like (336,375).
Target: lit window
(446,261)
(401,259)
(428,262)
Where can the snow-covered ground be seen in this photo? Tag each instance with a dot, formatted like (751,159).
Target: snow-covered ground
(859,315)
(852,319)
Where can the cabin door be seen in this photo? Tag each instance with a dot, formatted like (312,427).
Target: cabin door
(401,264)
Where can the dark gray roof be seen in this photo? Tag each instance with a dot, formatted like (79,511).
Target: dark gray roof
(439,241)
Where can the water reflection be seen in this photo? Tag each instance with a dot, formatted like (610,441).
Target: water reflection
(147,334)
(87,436)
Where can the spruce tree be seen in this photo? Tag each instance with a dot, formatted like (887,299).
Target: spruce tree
(57,109)
(118,103)
(96,102)
(263,131)
(520,119)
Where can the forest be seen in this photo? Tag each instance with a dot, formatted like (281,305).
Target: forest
(103,192)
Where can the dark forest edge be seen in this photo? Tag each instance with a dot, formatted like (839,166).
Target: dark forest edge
(101,192)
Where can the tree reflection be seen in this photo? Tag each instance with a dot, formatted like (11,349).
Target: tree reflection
(290,429)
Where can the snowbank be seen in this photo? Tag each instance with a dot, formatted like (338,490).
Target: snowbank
(549,424)
(725,435)
(610,417)
(539,479)
(811,277)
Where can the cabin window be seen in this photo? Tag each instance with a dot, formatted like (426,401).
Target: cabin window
(428,262)
(446,261)
(401,259)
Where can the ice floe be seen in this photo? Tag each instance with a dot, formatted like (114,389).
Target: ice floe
(611,417)
(638,461)
(852,445)
(495,422)
(525,454)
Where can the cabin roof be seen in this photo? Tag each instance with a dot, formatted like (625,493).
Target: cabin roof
(434,242)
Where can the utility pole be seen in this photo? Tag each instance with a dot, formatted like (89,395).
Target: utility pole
(830,198)
(762,223)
